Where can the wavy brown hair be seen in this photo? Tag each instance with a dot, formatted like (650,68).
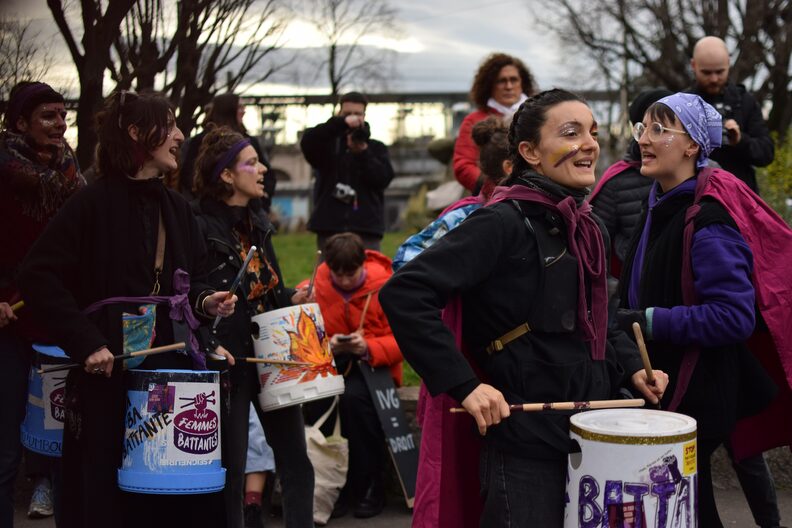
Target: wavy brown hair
(214,146)
(117,154)
(487,74)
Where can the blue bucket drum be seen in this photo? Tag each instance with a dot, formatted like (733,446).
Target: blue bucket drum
(42,429)
(172,433)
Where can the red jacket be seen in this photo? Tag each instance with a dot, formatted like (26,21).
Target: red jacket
(343,317)
(466,152)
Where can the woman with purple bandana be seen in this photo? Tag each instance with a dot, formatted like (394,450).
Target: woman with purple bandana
(710,311)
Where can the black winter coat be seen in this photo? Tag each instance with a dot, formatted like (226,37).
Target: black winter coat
(755,148)
(102,244)
(216,220)
(619,203)
(726,382)
(369,173)
(493,263)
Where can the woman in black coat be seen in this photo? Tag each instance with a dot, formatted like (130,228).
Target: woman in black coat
(229,181)
(104,245)
(529,271)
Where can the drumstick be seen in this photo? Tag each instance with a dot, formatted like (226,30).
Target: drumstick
(237,280)
(363,313)
(17,306)
(313,274)
(275,361)
(567,406)
(146,352)
(650,379)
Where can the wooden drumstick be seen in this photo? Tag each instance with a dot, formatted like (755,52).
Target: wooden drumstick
(363,313)
(17,306)
(275,361)
(147,352)
(650,379)
(568,406)
(237,280)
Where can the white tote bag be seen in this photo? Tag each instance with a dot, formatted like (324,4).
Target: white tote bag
(330,459)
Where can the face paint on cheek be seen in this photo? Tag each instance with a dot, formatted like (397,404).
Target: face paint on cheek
(564,154)
(667,142)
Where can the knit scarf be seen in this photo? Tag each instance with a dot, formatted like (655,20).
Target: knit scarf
(506,111)
(40,187)
(584,240)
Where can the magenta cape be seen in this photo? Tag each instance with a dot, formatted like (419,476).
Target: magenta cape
(770,240)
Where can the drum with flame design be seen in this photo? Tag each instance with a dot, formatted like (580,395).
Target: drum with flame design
(297,334)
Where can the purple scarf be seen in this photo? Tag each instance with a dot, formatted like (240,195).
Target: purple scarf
(584,239)
(180,310)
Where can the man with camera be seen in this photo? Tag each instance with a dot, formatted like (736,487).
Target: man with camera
(352,171)
(746,141)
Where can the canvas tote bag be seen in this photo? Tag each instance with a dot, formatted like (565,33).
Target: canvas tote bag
(330,459)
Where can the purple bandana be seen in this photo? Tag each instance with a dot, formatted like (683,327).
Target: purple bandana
(700,120)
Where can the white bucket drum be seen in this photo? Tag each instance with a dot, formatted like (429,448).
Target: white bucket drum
(636,468)
(295,333)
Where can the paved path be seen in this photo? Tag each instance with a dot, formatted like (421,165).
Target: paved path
(731,503)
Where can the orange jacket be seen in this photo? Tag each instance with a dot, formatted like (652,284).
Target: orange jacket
(343,317)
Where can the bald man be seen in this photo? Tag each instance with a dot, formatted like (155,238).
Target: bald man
(746,141)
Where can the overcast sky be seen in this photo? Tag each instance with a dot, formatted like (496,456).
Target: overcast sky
(441,44)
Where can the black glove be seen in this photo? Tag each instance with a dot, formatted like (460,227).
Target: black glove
(625,319)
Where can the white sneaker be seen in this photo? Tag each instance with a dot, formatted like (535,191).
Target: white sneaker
(41,501)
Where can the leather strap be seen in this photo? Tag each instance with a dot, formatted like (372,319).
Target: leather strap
(508,337)
(159,257)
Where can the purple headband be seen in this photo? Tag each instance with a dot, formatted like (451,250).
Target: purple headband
(26,99)
(228,157)
(700,120)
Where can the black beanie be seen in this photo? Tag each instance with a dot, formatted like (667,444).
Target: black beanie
(644,100)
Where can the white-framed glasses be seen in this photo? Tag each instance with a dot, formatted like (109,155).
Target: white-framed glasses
(655,131)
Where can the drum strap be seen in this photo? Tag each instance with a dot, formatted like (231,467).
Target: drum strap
(508,337)
(159,257)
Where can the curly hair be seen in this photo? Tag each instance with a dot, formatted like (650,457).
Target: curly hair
(491,135)
(529,119)
(487,75)
(117,154)
(215,144)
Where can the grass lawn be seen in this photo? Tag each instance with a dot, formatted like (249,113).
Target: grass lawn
(297,253)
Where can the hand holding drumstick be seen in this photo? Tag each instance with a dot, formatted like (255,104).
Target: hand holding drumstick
(651,383)
(487,406)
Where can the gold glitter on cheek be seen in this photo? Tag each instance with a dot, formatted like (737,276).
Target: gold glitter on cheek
(561,155)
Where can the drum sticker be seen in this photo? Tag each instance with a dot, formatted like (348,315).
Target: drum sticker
(196,426)
(54,393)
(659,492)
(689,465)
(161,398)
(304,340)
(144,430)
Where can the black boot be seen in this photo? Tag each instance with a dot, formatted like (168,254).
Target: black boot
(373,501)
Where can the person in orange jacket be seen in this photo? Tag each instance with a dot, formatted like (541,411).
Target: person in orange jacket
(346,287)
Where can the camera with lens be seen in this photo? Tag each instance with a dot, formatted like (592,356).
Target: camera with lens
(344,193)
(360,134)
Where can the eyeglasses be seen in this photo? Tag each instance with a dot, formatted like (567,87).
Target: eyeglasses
(655,131)
(508,80)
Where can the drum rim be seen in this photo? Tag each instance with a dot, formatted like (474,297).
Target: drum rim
(632,439)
